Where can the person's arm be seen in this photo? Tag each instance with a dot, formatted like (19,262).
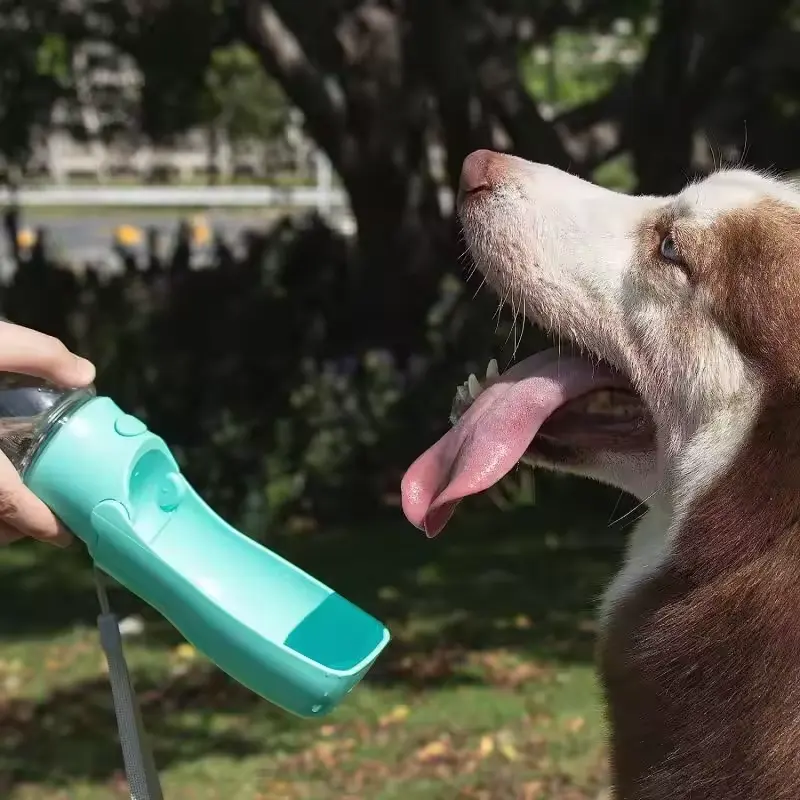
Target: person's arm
(32,353)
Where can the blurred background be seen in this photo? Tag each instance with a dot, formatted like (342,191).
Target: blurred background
(243,213)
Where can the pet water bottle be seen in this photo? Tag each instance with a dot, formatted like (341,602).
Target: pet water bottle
(117,487)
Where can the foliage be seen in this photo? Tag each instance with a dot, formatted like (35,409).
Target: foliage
(35,72)
(240,99)
(171,43)
(253,370)
(576,67)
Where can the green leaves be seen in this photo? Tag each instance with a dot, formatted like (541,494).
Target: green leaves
(53,58)
(34,75)
(240,98)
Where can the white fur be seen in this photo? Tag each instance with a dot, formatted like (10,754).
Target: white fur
(569,254)
(646,552)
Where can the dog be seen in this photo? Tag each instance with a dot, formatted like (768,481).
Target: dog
(684,312)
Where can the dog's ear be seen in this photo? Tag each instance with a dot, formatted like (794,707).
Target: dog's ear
(751,272)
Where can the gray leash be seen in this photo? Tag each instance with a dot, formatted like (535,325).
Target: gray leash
(140,768)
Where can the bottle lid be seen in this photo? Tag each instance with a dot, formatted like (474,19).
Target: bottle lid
(28,409)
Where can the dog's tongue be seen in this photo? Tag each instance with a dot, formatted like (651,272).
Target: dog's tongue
(493,435)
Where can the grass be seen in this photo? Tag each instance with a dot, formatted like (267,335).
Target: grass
(487,690)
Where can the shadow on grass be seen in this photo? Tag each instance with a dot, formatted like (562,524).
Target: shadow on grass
(72,733)
(527,580)
(469,587)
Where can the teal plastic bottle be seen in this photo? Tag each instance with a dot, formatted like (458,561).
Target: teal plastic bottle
(117,487)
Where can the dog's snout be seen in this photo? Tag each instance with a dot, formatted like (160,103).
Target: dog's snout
(481,171)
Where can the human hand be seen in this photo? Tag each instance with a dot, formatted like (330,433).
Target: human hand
(29,352)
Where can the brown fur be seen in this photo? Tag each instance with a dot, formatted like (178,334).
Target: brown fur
(701,665)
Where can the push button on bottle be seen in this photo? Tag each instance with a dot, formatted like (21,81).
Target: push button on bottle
(128,425)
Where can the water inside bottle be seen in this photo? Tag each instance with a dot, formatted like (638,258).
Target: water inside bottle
(29,407)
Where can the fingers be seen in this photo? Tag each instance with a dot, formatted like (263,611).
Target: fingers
(32,353)
(9,535)
(24,512)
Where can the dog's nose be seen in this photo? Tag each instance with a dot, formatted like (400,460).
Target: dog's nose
(475,172)
(478,172)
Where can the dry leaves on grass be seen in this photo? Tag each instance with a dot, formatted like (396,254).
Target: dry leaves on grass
(358,758)
(505,669)
(503,789)
(425,667)
(283,790)
(530,790)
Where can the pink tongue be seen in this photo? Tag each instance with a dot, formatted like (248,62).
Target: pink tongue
(493,435)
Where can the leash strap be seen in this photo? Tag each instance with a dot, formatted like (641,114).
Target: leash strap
(140,768)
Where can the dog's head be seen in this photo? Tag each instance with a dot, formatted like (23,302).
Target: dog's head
(685,308)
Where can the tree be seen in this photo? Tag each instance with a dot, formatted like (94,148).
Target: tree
(36,46)
(171,42)
(386,85)
(379,81)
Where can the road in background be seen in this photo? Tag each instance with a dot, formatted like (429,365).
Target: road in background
(82,223)
(84,237)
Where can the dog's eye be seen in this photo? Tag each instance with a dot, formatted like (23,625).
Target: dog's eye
(669,250)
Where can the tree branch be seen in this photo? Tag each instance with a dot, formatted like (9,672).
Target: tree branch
(309,89)
(505,95)
(496,64)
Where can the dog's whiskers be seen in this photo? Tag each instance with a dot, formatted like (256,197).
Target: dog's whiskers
(639,505)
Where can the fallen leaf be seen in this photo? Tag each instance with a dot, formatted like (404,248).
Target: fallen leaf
(505,669)
(433,750)
(325,753)
(533,790)
(486,747)
(396,715)
(279,790)
(185,652)
(505,744)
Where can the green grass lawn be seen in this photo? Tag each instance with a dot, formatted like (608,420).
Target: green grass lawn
(487,690)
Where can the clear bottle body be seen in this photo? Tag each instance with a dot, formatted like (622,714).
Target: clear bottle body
(31,411)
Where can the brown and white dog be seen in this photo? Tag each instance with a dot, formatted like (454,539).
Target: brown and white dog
(688,311)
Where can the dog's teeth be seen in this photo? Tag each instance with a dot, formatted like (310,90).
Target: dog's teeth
(492,370)
(474,386)
(462,393)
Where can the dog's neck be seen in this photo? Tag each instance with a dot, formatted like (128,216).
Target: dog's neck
(701,657)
